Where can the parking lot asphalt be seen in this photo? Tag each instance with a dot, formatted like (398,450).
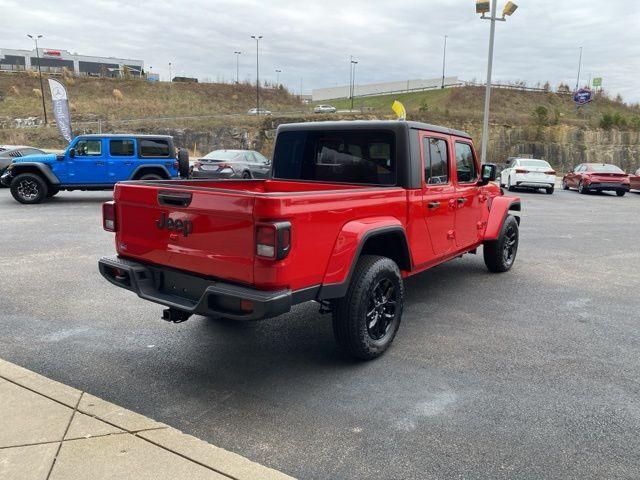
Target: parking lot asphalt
(525,375)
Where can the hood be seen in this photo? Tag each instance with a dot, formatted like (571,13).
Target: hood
(46,158)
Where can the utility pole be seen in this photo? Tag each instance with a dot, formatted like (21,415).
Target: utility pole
(278,72)
(509,9)
(237,67)
(444,60)
(44,108)
(169,72)
(257,39)
(350,76)
(579,69)
(353,80)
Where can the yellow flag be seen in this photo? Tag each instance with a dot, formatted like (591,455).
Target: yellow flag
(399,109)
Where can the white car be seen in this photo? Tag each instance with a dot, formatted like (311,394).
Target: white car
(324,109)
(255,111)
(528,173)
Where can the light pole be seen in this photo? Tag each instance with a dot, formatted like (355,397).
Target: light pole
(278,72)
(257,39)
(237,67)
(579,69)
(353,80)
(444,59)
(169,72)
(482,6)
(35,39)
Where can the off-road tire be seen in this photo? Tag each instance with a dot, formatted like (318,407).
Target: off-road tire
(151,176)
(565,185)
(620,193)
(549,190)
(510,187)
(353,332)
(32,183)
(183,163)
(495,253)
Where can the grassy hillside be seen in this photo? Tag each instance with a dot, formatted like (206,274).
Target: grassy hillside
(510,107)
(92,98)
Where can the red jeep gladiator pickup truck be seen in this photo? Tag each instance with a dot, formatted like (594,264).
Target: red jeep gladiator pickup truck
(349,210)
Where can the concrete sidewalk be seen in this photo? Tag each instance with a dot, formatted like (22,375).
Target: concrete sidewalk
(50,431)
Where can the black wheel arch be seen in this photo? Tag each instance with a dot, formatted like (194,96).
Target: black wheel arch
(390,242)
(150,168)
(37,168)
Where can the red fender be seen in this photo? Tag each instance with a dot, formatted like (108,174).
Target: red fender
(498,212)
(349,242)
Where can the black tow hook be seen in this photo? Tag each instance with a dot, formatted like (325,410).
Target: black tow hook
(175,316)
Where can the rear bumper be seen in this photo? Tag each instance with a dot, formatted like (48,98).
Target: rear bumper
(535,184)
(197,295)
(608,186)
(202,174)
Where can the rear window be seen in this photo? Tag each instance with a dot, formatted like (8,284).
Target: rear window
(154,147)
(605,169)
(221,155)
(336,156)
(534,163)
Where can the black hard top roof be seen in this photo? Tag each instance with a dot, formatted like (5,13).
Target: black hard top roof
(370,124)
(120,135)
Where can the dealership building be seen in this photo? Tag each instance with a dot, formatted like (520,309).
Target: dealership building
(53,61)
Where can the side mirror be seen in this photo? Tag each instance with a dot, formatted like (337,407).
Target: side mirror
(72,152)
(489,172)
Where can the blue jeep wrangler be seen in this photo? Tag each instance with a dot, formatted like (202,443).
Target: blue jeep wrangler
(95,162)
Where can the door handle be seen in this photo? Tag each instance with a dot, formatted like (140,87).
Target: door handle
(462,200)
(101,164)
(434,205)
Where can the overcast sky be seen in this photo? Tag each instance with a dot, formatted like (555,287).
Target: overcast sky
(312,40)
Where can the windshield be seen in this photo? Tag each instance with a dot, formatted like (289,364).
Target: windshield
(221,155)
(534,163)
(605,169)
(336,156)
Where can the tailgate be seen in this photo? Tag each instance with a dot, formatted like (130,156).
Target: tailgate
(201,230)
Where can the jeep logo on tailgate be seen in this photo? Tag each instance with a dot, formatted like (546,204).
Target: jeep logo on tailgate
(183,226)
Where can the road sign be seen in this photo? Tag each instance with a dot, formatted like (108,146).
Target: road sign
(597,82)
(583,96)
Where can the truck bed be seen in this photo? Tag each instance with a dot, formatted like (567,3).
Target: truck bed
(224,214)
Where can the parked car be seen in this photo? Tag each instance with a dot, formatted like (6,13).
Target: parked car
(95,162)
(528,173)
(261,111)
(324,109)
(9,152)
(352,208)
(232,164)
(597,177)
(634,180)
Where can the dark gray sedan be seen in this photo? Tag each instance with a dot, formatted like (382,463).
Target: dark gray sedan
(9,152)
(231,164)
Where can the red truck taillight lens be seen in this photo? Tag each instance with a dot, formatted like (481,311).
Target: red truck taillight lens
(273,240)
(521,170)
(109,216)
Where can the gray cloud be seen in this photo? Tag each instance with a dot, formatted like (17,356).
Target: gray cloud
(312,40)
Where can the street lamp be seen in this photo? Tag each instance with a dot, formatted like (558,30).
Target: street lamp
(482,7)
(35,39)
(257,39)
(278,72)
(444,59)
(579,69)
(352,90)
(169,72)
(237,67)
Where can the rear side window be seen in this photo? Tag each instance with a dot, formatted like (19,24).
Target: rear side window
(343,156)
(436,164)
(465,163)
(154,147)
(121,148)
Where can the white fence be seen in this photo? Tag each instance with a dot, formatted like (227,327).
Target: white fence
(333,93)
